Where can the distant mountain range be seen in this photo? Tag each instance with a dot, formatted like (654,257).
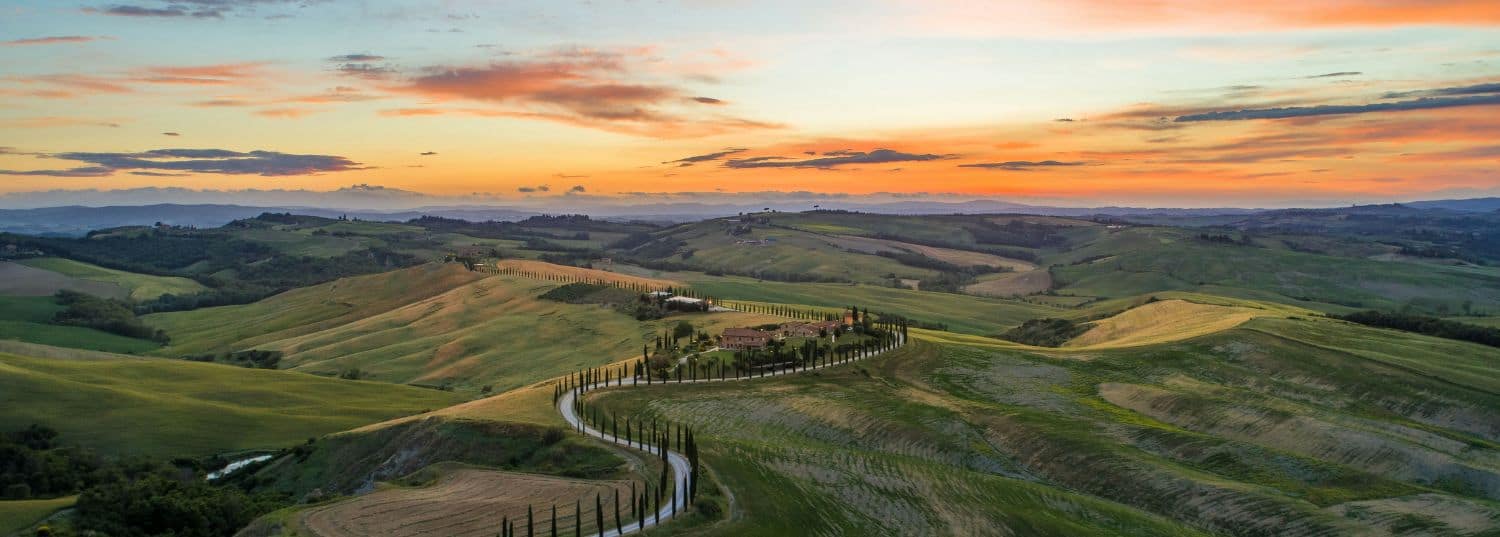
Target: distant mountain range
(78,219)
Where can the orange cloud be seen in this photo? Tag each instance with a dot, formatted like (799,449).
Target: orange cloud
(587,88)
(50,40)
(286,113)
(1093,18)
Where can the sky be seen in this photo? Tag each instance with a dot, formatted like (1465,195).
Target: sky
(1065,102)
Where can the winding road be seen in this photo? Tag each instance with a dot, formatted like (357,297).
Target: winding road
(677,461)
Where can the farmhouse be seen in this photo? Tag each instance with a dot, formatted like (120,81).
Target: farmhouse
(813,329)
(744,338)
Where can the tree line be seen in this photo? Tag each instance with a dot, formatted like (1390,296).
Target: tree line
(1423,324)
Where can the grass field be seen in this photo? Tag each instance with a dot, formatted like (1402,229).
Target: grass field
(140,286)
(17,515)
(433,325)
(165,408)
(28,319)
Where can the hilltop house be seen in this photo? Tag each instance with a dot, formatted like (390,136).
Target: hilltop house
(744,338)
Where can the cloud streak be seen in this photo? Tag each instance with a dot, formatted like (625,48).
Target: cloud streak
(209,161)
(50,40)
(1021,165)
(838,158)
(1424,103)
(689,161)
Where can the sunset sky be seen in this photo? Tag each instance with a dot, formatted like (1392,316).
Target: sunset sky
(1068,102)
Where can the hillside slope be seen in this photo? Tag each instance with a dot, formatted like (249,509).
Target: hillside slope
(1272,427)
(168,408)
(432,325)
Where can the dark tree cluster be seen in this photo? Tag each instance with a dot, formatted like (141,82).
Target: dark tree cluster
(254,359)
(106,314)
(129,498)
(1044,332)
(1017,233)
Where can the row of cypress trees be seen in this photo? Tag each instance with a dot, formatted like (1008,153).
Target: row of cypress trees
(665,437)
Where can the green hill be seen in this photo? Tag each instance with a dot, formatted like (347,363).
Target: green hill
(430,325)
(1141,260)
(29,319)
(167,408)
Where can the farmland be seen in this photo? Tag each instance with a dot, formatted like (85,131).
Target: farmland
(139,286)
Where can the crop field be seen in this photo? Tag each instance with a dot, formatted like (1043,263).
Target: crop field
(579,273)
(1243,430)
(139,286)
(178,408)
(1163,321)
(962,258)
(17,279)
(1011,284)
(465,502)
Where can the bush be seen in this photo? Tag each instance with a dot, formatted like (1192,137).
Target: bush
(1044,332)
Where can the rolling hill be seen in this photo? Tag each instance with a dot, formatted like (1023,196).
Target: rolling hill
(122,405)
(431,325)
(1269,427)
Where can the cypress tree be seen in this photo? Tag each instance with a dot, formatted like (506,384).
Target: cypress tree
(619,526)
(577,518)
(554,520)
(530,526)
(504,525)
(599,512)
